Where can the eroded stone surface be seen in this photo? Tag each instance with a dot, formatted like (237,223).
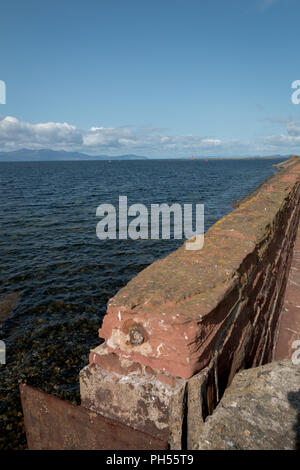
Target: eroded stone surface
(137,399)
(260,410)
(102,356)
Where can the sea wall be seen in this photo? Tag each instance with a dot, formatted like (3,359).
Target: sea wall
(176,334)
(217,306)
(203,315)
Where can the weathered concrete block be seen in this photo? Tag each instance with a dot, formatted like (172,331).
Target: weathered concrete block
(259,411)
(138,399)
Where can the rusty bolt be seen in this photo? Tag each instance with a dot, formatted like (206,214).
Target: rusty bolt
(136,337)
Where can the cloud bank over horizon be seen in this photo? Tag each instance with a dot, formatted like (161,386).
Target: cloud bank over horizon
(149,141)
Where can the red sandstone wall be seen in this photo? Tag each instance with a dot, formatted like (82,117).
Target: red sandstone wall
(216,310)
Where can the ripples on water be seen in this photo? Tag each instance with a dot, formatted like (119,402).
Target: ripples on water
(64,274)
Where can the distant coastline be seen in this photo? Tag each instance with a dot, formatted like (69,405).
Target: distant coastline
(47,155)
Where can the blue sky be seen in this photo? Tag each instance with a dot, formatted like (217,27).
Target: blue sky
(157,78)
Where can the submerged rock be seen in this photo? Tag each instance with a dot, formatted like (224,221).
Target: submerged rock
(7,304)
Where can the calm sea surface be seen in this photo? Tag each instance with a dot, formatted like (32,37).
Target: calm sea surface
(64,275)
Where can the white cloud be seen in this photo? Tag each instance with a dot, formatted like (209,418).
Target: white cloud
(290,141)
(16,134)
(106,137)
(147,140)
(293,129)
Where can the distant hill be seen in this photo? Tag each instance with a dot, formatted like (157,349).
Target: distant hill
(45,155)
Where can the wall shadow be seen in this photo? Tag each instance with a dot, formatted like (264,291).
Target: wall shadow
(294,400)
